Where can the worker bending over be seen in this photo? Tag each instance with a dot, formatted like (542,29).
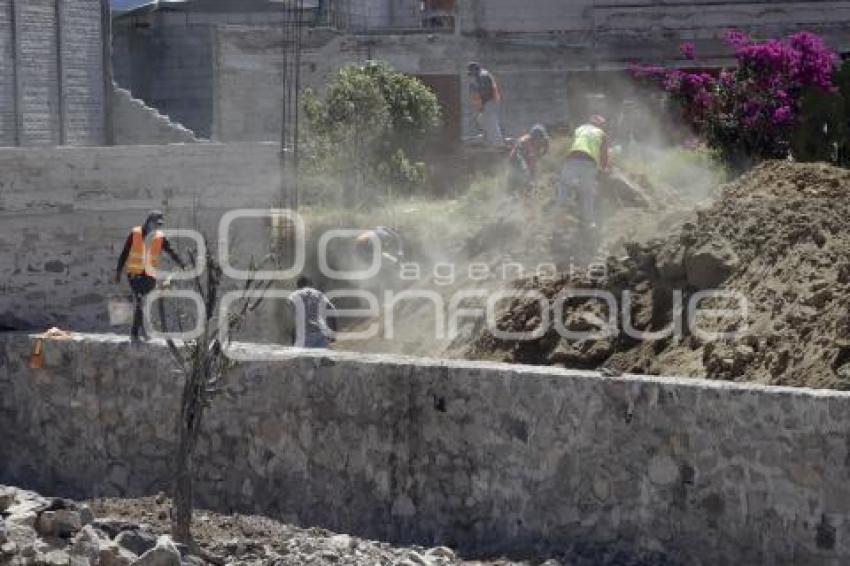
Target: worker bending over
(310,310)
(140,257)
(588,155)
(391,246)
(486,103)
(527,152)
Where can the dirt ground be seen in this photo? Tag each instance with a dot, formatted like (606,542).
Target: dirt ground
(509,236)
(776,237)
(256,540)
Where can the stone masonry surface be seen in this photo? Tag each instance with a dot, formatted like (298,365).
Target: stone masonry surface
(485,457)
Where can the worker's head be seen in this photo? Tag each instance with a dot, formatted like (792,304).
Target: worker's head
(540,137)
(155,219)
(598,120)
(303,281)
(473,69)
(538,133)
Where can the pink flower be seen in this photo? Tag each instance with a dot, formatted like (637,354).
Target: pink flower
(783,115)
(688,51)
(736,38)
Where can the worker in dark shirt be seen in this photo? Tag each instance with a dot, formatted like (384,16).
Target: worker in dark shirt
(486,99)
(391,246)
(140,259)
(528,150)
(313,316)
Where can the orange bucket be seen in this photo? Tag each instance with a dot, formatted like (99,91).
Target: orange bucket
(37,354)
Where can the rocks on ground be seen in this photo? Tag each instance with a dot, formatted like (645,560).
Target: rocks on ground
(41,531)
(132,532)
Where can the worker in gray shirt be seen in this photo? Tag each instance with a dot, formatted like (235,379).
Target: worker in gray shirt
(310,312)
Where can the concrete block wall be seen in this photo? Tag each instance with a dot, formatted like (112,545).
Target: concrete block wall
(494,16)
(406,14)
(485,457)
(37,72)
(135,123)
(83,89)
(170,68)
(244,84)
(688,18)
(8,117)
(369,14)
(52,73)
(64,226)
(248,83)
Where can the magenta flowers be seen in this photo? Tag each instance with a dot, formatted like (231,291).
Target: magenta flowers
(749,112)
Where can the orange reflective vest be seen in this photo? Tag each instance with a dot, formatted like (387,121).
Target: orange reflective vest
(141,259)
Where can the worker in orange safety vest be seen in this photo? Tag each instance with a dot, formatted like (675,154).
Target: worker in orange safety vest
(140,259)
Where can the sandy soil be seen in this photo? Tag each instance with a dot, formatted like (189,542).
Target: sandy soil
(776,237)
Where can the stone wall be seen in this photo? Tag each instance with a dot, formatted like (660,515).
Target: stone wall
(52,84)
(487,457)
(64,226)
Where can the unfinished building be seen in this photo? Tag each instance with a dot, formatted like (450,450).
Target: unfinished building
(215,66)
(488,458)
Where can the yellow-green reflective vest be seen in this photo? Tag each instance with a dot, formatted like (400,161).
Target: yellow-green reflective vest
(589,140)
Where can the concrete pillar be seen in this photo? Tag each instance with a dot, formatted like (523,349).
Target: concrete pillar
(37,72)
(8,115)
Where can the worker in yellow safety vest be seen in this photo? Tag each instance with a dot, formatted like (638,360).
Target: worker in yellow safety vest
(587,156)
(140,260)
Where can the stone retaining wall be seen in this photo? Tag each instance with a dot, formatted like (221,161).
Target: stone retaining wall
(487,457)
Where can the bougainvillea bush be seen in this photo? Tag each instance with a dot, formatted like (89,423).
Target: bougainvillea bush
(750,113)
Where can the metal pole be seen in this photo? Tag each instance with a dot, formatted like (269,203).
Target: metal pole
(15,87)
(284,196)
(292,40)
(297,106)
(60,71)
(108,89)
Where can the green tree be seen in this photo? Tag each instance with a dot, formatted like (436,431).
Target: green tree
(370,128)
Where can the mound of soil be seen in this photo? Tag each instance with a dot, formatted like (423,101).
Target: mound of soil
(776,238)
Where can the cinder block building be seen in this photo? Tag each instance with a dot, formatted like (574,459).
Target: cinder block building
(216,65)
(53,85)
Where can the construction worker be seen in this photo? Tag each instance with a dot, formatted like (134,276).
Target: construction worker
(486,103)
(588,155)
(310,309)
(140,258)
(528,150)
(391,248)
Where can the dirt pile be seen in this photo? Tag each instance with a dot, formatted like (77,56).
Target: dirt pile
(509,236)
(776,238)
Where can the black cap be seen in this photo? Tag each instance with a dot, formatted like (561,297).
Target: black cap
(155,216)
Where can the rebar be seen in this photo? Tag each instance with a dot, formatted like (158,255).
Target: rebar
(293,22)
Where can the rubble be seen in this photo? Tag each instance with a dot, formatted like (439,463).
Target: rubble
(35,530)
